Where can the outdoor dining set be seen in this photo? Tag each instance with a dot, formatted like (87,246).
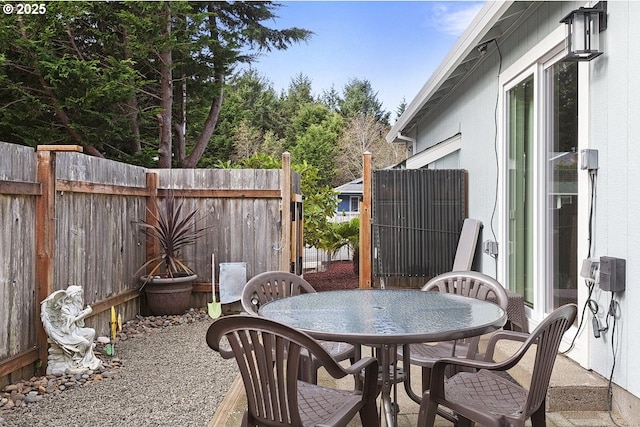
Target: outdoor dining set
(290,331)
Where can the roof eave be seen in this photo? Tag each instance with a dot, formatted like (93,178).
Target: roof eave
(473,35)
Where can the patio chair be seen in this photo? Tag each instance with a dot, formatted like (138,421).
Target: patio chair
(490,399)
(466,283)
(272,285)
(268,356)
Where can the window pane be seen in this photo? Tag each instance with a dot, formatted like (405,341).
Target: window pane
(355,204)
(521,174)
(562,181)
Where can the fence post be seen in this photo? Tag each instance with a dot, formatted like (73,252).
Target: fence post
(45,225)
(152,246)
(285,212)
(365,224)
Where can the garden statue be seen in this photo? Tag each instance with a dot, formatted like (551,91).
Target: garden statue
(71,344)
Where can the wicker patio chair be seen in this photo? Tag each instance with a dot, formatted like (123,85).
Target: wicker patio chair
(268,356)
(487,398)
(466,283)
(272,285)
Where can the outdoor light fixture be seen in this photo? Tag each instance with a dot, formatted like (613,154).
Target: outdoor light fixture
(583,32)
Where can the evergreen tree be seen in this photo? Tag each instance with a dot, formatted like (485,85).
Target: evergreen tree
(130,78)
(359,98)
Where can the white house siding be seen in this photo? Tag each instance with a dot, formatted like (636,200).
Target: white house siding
(614,132)
(470,111)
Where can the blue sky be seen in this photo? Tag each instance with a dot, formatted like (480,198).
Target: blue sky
(396,45)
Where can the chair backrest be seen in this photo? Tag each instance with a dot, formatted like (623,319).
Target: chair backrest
(548,336)
(466,248)
(272,285)
(267,353)
(469,284)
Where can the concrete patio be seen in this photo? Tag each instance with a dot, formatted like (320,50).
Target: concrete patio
(574,399)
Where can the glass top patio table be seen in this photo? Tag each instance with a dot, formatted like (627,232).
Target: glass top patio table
(386,316)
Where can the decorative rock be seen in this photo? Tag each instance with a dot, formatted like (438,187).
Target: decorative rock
(103,340)
(32,397)
(10,388)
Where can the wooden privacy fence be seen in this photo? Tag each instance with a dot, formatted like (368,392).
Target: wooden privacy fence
(67,218)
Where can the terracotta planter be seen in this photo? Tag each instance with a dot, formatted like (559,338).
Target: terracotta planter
(169,295)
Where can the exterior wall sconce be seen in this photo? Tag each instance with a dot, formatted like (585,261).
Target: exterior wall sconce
(583,32)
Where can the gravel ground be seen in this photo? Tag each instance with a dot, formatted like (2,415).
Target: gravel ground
(169,377)
(163,374)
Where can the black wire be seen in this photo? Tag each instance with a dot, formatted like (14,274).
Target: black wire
(592,203)
(495,147)
(613,310)
(590,285)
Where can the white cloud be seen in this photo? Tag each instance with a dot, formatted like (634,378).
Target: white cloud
(453,18)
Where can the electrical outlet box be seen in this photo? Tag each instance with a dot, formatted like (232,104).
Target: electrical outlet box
(490,247)
(612,274)
(589,159)
(589,270)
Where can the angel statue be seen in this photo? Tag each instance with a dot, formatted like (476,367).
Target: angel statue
(71,344)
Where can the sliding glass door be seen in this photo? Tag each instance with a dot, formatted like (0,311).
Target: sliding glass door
(542,142)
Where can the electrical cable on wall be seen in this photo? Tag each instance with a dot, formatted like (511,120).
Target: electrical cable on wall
(495,149)
(590,283)
(614,313)
(593,306)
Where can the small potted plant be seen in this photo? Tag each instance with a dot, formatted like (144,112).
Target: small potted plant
(169,280)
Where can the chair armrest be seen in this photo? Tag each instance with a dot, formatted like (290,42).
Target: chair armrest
(360,365)
(503,335)
(438,370)
(370,367)
(337,371)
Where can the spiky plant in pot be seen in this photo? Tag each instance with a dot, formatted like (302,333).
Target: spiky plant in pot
(173,228)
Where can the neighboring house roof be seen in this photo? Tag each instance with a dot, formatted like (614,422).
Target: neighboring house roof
(495,21)
(353,187)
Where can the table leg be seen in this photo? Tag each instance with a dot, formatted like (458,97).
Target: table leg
(390,376)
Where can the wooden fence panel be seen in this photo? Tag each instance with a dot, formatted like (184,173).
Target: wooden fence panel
(98,245)
(239,229)
(17,254)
